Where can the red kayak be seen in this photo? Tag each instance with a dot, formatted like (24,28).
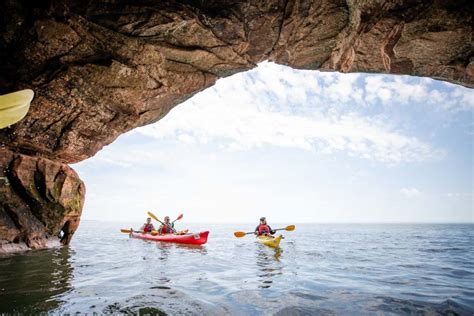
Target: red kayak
(190,238)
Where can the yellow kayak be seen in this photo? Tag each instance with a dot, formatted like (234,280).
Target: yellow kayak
(14,106)
(270,241)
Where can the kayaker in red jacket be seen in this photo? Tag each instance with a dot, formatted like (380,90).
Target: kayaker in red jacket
(148,226)
(263,228)
(168,227)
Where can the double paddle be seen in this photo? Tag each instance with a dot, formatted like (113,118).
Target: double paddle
(128,231)
(157,219)
(154,232)
(242,234)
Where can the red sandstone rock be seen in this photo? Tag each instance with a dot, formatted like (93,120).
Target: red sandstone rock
(104,68)
(39,198)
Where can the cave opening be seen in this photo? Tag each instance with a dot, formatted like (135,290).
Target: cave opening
(65,233)
(315,146)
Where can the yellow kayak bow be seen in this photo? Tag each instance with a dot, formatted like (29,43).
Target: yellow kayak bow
(270,241)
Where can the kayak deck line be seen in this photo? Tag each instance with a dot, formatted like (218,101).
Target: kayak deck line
(199,238)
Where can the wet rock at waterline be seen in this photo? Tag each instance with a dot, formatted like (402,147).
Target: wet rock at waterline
(40,202)
(102,68)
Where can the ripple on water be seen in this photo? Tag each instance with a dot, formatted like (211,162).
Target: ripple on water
(401,306)
(323,269)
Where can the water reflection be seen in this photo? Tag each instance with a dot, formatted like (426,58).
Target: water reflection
(35,281)
(192,248)
(167,249)
(114,274)
(268,262)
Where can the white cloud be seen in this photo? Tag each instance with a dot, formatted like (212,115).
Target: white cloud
(245,126)
(405,90)
(343,88)
(270,106)
(410,192)
(279,108)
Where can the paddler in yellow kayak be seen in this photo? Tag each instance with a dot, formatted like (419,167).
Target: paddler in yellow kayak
(148,226)
(263,228)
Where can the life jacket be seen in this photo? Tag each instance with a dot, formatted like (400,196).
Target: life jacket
(165,229)
(148,228)
(263,229)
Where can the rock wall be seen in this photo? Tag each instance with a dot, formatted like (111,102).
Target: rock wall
(40,202)
(101,68)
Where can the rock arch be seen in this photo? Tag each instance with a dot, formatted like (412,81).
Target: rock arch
(104,68)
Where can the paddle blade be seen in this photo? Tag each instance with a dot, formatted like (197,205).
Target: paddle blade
(290,228)
(126,231)
(153,216)
(239,234)
(14,106)
(179,217)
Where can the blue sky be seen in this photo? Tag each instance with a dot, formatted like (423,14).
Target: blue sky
(296,146)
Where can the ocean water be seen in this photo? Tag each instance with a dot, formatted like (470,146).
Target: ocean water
(321,269)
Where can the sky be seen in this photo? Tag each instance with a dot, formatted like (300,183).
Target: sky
(296,146)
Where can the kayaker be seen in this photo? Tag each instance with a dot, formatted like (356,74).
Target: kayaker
(263,228)
(148,226)
(168,227)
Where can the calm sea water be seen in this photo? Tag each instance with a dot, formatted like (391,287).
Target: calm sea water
(321,269)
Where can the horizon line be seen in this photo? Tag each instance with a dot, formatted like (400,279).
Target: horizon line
(302,223)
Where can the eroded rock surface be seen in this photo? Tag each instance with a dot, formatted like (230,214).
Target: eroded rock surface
(101,68)
(40,202)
